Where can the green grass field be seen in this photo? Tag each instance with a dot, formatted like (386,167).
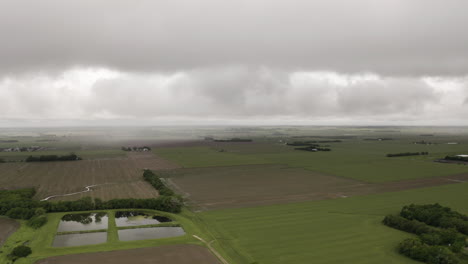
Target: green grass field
(356,159)
(331,231)
(41,240)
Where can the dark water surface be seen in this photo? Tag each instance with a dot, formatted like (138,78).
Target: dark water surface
(71,240)
(150,233)
(83,222)
(138,218)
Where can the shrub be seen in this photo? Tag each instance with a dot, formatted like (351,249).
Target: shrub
(21,251)
(417,250)
(20,213)
(37,221)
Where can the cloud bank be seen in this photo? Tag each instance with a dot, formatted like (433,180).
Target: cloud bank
(234,93)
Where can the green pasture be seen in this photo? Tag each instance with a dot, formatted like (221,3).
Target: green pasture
(347,230)
(356,158)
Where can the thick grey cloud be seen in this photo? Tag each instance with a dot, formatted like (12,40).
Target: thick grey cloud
(224,94)
(389,37)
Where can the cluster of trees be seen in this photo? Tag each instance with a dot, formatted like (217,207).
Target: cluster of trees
(157,183)
(144,148)
(456,158)
(44,158)
(423,142)
(441,232)
(38,219)
(417,250)
(428,234)
(407,154)
(313,149)
(234,140)
(436,215)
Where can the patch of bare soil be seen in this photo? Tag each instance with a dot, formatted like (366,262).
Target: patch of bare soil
(7,227)
(172,254)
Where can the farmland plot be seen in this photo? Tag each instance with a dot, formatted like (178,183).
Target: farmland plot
(109,178)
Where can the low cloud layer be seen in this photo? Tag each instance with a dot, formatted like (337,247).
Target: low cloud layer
(251,94)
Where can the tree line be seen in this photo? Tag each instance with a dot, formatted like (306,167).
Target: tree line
(44,158)
(157,183)
(311,142)
(313,149)
(234,140)
(407,154)
(441,233)
(134,148)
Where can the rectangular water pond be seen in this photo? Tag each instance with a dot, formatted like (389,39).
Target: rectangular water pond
(83,222)
(132,218)
(150,233)
(72,240)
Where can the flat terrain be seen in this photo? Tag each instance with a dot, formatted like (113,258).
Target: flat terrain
(331,231)
(171,254)
(115,178)
(237,186)
(253,185)
(7,227)
(355,158)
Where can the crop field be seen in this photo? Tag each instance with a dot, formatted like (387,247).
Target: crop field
(224,187)
(242,186)
(171,254)
(330,231)
(114,178)
(354,158)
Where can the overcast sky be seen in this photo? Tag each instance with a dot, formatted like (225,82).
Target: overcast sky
(357,62)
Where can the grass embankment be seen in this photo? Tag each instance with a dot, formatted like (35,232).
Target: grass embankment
(41,240)
(357,159)
(332,231)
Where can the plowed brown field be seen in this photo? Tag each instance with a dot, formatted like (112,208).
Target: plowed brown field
(114,178)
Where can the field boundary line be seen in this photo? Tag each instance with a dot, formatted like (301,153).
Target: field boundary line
(224,261)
